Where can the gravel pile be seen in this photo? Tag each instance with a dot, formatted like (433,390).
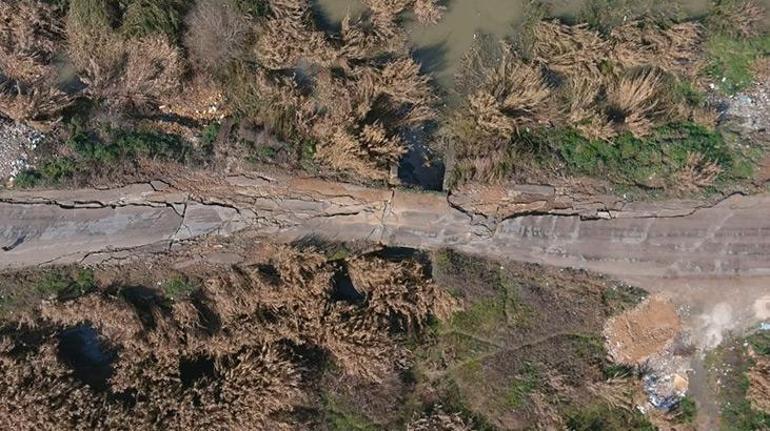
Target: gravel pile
(17,142)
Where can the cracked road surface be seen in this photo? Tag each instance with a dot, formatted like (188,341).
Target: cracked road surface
(728,238)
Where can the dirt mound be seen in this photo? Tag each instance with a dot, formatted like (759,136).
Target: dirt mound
(759,385)
(634,336)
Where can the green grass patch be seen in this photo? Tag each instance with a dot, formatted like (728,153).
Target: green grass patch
(760,342)
(65,285)
(91,153)
(178,288)
(129,144)
(651,161)
(523,385)
(606,418)
(339,417)
(728,366)
(622,297)
(482,317)
(208,137)
(730,60)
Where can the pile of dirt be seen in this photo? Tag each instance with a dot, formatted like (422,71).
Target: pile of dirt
(637,335)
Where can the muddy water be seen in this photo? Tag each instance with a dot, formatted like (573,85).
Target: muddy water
(440,47)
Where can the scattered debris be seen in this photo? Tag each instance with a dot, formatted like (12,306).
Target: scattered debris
(751,107)
(17,141)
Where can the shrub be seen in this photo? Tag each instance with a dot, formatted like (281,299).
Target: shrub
(178,288)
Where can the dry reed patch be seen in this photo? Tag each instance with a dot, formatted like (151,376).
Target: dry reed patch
(230,352)
(29,35)
(149,71)
(677,49)
(697,173)
(359,118)
(565,77)
(570,50)
(353,106)
(514,95)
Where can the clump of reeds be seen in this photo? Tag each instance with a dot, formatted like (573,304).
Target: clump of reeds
(353,106)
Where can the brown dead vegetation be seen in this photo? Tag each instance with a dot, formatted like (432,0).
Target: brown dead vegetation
(217,34)
(345,101)
(243,332)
